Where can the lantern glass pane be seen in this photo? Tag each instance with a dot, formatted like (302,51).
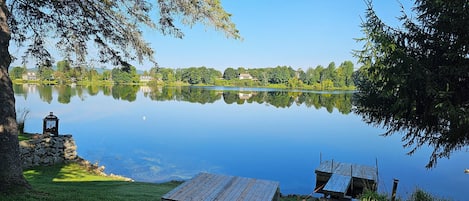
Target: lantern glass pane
(50,124)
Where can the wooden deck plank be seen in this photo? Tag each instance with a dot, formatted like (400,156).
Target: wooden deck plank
(245,192)
(189,191)
(237,188)
(365,172)
(205,182)
(210,187)
(212,190)
(348,169)
(274,191)
(221,184)
(266,190)
(179,190)
(338,183)
(263,190)
(257,191)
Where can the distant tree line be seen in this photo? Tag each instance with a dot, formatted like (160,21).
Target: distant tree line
(320,78)
(192,75)
(66,72)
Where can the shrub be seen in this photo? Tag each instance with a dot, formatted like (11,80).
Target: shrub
(421,195)
(369,195)
(21,119)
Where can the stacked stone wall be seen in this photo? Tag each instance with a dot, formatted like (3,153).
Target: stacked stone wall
(47,150)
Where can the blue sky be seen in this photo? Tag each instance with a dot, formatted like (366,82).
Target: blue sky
(300,34)
(296,33)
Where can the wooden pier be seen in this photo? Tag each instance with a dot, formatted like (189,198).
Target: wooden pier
(208,187)
(345,180)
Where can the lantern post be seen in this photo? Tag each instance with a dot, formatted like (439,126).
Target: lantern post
(51,125)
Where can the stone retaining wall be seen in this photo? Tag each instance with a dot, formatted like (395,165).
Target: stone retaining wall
(47,150)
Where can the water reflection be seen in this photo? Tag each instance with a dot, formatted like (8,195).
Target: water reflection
(277,98)
(442,126)
(160,134)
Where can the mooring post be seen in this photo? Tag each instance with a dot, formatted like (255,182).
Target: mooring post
(394,189)
(377,173)
(351,176)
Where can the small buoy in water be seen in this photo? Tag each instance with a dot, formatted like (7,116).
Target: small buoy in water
(466,171)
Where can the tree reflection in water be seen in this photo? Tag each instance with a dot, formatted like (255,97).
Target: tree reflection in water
(445,129)
(203,95)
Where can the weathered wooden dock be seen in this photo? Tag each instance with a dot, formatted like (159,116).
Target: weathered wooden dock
(345,180)
(209,187)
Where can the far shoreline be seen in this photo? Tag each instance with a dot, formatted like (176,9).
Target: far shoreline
(178,84)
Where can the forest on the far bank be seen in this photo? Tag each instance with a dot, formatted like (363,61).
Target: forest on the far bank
(331,77)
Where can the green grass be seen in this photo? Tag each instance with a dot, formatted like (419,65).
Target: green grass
(74,182)
(25,136)
(298,198)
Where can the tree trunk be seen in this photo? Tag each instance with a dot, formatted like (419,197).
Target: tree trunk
(11,173)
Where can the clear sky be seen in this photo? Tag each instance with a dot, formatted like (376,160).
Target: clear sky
(296,33)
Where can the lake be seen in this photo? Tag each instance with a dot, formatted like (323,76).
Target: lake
(161,134)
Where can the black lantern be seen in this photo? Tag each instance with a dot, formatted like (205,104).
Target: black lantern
(51,125)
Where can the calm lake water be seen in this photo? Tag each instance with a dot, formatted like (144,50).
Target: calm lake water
(161,134)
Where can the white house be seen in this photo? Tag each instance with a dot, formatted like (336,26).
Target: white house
(145,78)
(245,76)
(29,76)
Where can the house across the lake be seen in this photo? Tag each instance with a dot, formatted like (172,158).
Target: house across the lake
(29,76)
(344,180)
(245,76)
(244,96)
(145,78)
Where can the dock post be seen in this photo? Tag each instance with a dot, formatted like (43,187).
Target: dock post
(351,175)
(394,189)
(377,176)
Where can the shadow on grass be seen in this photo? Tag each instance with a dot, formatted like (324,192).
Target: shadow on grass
(74,182)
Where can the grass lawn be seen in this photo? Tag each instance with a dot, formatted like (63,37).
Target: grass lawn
(25,136)
(74,182)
